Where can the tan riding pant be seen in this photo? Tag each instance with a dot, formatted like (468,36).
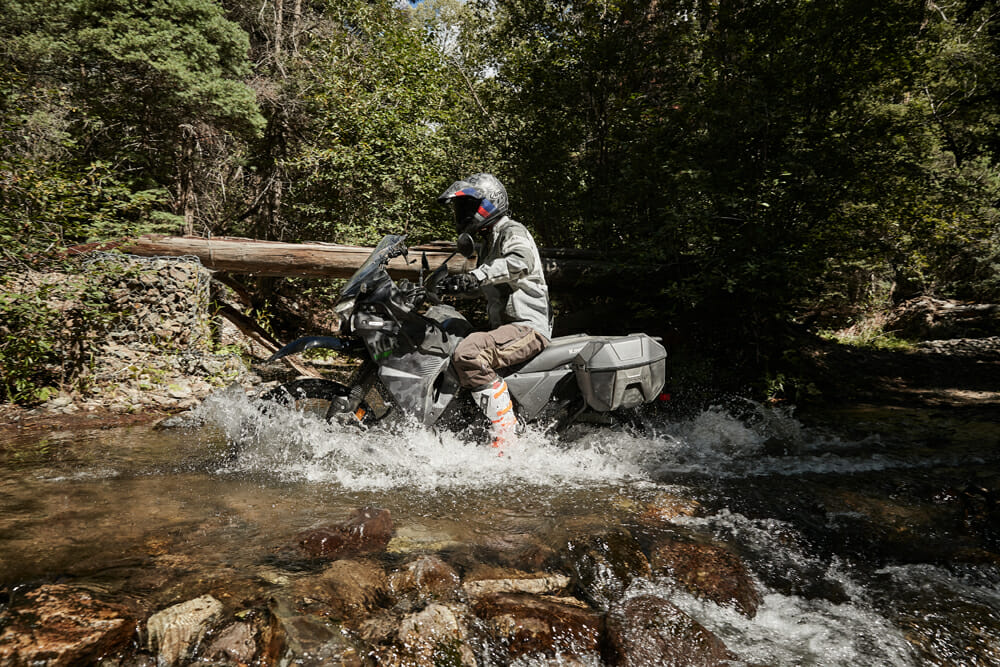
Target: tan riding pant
(479,355)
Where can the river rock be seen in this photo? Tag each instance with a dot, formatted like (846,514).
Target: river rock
(604,564)
(436,623)
(367,531)
(417,538)
(710,572)
(666,507)
(236,643)
(304,639)
(485,580)
(175,632)
(518,550)
(60,625)
(350,589)
(649,630)
(433,636)
(525,624)
(429,577)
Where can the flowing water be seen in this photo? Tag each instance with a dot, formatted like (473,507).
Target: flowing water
(872,534)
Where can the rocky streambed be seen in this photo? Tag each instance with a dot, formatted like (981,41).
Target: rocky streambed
(861,530)
(351,593)
(736,535)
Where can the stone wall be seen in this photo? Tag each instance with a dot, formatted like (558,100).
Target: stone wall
(160,346)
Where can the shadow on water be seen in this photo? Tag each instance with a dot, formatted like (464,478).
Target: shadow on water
(871,533)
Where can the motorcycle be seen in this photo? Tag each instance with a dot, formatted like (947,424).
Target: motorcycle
(406,359)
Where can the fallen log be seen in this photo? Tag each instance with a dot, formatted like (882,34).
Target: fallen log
(274,258)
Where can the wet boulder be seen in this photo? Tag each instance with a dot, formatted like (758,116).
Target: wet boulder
(436,635)
(439,633)
(517,550)
(534,624)
(667,507)
(603,565)
(296,638)
(175,633)
(484,580)
(367,531)
(428,577)
(347,589)
(61,625)
(710,572)
(236,643)
(649,630)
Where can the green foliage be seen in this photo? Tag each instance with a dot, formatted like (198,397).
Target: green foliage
(105,111)
(754,150)
(770,160)
(47,329)
(386,129)
(181,57)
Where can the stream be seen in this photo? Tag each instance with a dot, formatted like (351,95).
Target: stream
(871,533)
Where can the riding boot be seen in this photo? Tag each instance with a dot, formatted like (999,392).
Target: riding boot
(494,400)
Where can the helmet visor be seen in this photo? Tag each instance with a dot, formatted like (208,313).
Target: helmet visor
(465,210)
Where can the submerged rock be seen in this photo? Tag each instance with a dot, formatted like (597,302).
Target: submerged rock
(349,589)
(649,630)
(175,632)
(666,507)
(428,576)
(436,622)
(525,624)
(710,572)
(303,639)
(417,538)
(436,633)
(60,625)
(367,531)
(236,643)
(603,565)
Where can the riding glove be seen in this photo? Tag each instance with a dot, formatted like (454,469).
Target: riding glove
(458,283)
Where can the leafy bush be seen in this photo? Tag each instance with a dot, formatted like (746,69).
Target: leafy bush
(48,325)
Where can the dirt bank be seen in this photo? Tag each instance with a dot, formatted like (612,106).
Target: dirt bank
(957,373)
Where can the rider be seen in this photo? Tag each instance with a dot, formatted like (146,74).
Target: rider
(509,273)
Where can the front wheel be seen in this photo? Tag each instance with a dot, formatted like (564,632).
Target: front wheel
(327,399)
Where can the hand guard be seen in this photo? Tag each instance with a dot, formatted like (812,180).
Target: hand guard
(415,297)
(458,283)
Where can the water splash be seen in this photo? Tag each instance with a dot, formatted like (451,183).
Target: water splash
(792,629)
(295,445)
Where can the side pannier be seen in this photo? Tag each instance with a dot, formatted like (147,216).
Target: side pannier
(620,371)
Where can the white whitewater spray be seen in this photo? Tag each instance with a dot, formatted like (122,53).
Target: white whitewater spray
(298,445)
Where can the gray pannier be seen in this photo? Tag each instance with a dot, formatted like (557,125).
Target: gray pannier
(620,371)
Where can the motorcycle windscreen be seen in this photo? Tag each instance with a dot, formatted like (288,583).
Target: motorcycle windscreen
(390,246)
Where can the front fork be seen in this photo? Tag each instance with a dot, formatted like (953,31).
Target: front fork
(354,405)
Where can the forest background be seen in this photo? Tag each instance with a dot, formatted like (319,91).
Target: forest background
(755,168)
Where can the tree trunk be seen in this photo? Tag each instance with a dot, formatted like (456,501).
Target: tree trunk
(272,258)
(186,177)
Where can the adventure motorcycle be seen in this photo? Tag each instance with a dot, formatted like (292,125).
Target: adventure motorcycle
(406,359)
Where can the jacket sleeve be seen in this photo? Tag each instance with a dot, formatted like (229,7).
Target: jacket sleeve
(516,259)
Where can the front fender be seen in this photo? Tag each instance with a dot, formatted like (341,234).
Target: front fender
(309,342)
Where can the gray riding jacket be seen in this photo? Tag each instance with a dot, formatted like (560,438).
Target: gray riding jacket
(510,272)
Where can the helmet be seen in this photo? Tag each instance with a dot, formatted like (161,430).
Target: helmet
(480,200)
